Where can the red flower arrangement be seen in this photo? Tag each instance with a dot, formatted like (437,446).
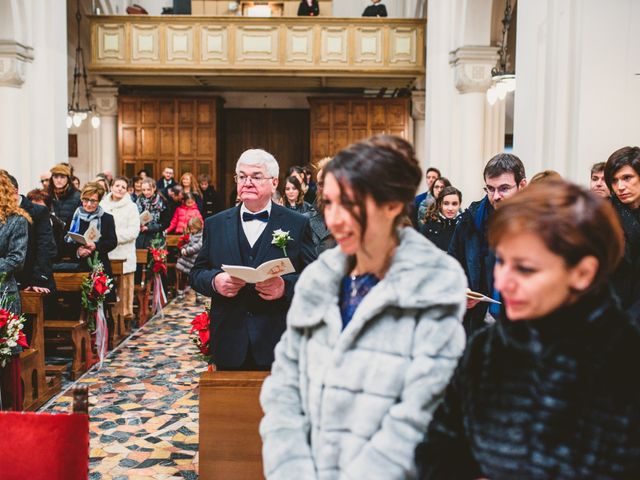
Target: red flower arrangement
(183,241)
(200,335)
(158,261)
(94,290)
(11,335)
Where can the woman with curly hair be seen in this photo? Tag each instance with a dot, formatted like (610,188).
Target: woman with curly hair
(190,185)
(13,241)
(152,202)
(441,222)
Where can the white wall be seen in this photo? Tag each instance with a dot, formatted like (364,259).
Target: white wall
(578,94)
(33,134)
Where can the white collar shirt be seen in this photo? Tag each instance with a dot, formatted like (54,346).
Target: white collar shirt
(253,228)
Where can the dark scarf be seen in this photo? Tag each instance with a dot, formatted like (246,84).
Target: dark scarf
(154,205)
(630,220)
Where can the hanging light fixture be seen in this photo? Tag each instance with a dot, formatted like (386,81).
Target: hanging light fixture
(503,80)
(76,113)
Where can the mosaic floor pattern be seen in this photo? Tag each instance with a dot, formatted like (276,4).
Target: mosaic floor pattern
(144,402)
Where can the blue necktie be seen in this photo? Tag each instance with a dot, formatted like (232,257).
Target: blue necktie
(262,216)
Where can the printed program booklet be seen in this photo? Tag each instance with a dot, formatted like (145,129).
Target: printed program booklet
(478,296)
(270,269)
(91,235)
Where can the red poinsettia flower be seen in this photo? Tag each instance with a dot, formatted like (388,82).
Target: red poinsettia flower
(4,317)
(201,322)
(100,284)
(159,267)
(22,340)
(204,336)
(183,240)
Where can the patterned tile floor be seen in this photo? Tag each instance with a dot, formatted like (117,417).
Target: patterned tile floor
(144,402)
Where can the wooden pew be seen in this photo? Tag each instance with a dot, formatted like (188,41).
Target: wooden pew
(76,332)
(37,387)
(230,413)
(118,331)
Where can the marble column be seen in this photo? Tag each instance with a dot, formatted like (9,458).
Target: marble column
(106,137)
(472,77)
(417,114)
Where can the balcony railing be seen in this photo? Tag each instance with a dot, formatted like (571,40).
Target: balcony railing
(283,46)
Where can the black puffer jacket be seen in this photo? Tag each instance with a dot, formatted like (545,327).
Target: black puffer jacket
(440,231)
(552,398)
(65,206)
(626,278)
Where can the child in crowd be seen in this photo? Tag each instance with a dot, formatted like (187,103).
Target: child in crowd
(184,213)
(188,255)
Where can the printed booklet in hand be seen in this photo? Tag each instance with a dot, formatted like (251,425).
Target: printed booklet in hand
(91,235)
(478,296)
(270,269)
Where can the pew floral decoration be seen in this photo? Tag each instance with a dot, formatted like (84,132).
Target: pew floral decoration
(199,335)
(94,291)
(183,241)
(158,265)
(11,335)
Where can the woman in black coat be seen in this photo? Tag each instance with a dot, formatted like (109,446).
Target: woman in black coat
(545,392)
(64,196)
(442,219)
(87,214)
(308,8)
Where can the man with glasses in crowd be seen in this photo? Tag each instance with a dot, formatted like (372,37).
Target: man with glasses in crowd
(247,320)
(504,176)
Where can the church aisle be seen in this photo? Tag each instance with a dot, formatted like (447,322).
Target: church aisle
(144,402)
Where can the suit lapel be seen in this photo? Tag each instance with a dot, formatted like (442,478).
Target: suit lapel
(231,226)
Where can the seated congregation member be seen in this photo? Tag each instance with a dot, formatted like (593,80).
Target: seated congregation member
(127,221)
(247,320)
(442,218)
(375,10)
(14,227)
(184,213)
(504,176)
(597,183)
(622,174)
(212,203)
(65,198)
(544,393)
(373,333)
(426,204)
(91,213)
(308,8)
(37,272)
(153,203)
(188,255)
(294,196)
(322,238)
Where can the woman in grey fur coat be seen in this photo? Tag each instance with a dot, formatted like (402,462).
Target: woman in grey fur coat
(373,334)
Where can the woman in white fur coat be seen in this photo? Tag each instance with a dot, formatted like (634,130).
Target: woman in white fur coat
(127,219)
(373,333)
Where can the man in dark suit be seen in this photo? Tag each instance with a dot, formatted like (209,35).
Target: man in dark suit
(166,181)
(375,10)
(248,320)
(37,272)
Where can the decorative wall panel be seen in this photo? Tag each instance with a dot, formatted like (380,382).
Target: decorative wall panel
(256,44)
(368,45)
(146,43)
(180,43)
(110,42)
(299,45)
(214,44)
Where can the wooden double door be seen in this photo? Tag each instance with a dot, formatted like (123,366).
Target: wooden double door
(156,132)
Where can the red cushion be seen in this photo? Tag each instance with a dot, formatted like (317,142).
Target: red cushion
(44,446)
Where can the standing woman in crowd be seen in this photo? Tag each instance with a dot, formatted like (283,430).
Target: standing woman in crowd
(65,198)
(14,223)
(294,196)
(87,214)
(190,185)
(153,203)
(322,238)
(442,219)
(545,392)
(426,209)
(127,221)
(622,175)
(185,212)
(373,333)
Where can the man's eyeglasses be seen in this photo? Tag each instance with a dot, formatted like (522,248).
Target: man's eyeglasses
(245,178)
(90,201)
(502,189)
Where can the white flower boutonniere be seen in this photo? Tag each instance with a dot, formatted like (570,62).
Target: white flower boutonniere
(280,239)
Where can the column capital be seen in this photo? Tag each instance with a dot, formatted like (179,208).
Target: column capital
(13,59)
(472,67)
(418,104)
(106,100)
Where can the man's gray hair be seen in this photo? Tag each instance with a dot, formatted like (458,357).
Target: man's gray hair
(257,156)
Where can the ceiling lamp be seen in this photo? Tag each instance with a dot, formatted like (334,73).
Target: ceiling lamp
(77,113)
(503,80)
